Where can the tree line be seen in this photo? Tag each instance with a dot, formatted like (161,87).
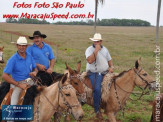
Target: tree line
(103,22)
(27,21)
(109,22)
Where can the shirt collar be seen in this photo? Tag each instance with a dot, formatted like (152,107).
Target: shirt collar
(37,46)
(94,46)
(19,57)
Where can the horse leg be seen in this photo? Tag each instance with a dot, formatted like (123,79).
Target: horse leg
(111,117)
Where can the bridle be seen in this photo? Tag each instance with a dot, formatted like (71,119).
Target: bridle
(143,80)
(60,89)
(78,76)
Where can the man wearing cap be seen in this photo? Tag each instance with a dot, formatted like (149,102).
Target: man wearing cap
(99,62)
(21,66)
(41,52)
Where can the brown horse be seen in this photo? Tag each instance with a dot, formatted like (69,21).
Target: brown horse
(1,54)
(60,95)
(76,82)
(157,110)
(121,88)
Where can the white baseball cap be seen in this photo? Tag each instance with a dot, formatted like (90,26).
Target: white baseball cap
(97,37)
(22,41)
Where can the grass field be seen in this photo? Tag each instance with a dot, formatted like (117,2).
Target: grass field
(126,44)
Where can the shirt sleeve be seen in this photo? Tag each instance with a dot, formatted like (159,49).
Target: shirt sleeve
(108,56)
(9,66)
(88,52)
(33,63)
(29,50)
(51,55)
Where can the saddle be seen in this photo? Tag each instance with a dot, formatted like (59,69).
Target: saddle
(7,98)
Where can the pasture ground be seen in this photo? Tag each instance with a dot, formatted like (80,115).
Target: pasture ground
(126,44)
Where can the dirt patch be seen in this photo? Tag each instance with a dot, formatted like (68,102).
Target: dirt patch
(19,34)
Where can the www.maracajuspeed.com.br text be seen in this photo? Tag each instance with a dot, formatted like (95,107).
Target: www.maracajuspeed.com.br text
(48,16)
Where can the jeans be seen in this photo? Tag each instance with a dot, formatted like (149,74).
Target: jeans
(96,89)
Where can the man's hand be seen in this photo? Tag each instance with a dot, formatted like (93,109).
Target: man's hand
(41,67)
(111,70)
(22,85)
(50,70)
(97,47)
(33,74)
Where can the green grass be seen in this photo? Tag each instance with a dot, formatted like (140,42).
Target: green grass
(126,44)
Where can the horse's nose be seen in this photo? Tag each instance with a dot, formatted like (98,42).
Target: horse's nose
(80,117)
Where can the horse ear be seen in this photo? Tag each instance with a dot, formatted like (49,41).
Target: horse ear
(64,78)
(69,69)
(3,47)
(78,67)
(137,63)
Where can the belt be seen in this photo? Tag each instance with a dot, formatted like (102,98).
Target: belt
(100,73)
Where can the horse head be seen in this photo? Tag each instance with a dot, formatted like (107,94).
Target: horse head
(75,79)
(1,54)
(142,77)
(69,98)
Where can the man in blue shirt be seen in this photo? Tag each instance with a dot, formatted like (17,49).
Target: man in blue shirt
(21,66)
(41,52)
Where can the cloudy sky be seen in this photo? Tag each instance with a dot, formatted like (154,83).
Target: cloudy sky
(128,9)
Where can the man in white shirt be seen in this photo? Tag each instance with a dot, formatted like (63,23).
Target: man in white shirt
(99,62)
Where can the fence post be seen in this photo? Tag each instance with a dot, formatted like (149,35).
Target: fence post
(11,37)
(56,57)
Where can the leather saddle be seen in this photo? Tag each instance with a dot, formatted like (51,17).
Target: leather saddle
(7,98)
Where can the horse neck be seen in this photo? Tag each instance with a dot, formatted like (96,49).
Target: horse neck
(50,94)
(125,85)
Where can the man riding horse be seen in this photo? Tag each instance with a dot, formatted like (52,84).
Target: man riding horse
(99,63)
(41,52)
(21,66)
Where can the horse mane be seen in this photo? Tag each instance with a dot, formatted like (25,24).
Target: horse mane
(31,93)
(47,79)
(107,83)
(120,75)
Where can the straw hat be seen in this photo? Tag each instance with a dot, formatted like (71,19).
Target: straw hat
(22,41)
(97,37)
